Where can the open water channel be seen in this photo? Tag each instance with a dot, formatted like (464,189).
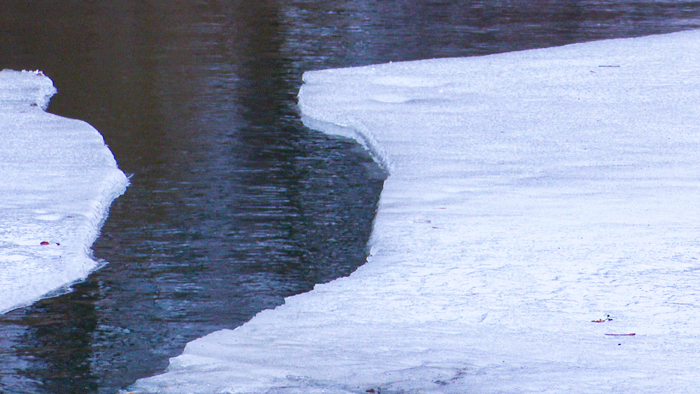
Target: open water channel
(234,205)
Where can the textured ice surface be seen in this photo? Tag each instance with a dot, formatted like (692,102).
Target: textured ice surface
(530,195)
(57,180)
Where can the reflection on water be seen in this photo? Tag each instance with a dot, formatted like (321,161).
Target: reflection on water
(234,204)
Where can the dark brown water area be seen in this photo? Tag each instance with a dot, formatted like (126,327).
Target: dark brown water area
(234,205)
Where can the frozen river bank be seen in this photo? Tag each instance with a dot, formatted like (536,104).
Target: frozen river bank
(537,233)
(58,180)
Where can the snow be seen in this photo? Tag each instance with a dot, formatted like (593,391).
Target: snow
(530,195)
(58,180)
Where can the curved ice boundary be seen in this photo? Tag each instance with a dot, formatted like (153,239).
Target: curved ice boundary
(539,233)
(57,181)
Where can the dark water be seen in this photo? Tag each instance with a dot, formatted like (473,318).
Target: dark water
(233,204)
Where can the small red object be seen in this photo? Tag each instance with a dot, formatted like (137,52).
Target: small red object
(44,243)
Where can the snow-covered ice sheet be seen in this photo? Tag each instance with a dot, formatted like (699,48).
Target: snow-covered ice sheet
(57,180)
(539,233)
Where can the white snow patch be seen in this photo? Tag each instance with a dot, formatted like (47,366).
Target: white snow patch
(58,180)
(530,195)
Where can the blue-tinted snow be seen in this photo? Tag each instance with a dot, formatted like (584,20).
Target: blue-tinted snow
(57,180)
(539,233)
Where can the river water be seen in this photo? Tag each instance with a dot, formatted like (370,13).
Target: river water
(234,205)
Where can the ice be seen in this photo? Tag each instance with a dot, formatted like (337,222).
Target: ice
(530,194)
(58,179)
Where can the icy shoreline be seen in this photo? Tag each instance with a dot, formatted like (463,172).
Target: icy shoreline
(538,232)
(58,181)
